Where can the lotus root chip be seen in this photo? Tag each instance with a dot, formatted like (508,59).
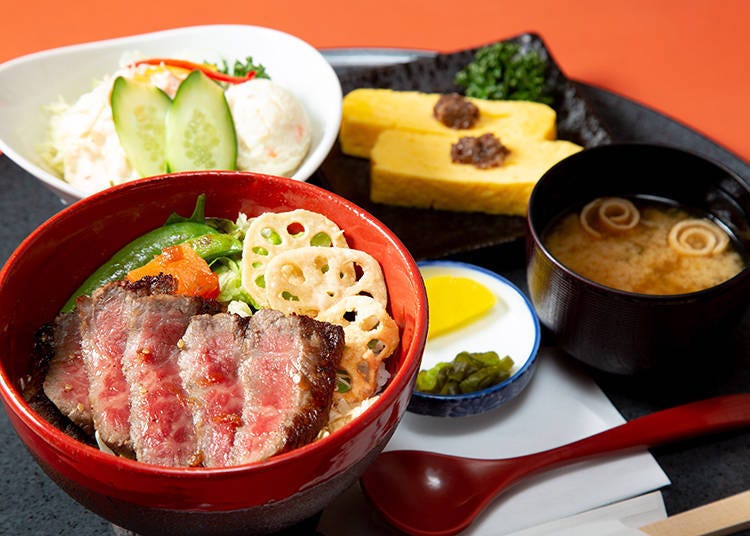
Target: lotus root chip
(370,336)
(273,233)
(311,279)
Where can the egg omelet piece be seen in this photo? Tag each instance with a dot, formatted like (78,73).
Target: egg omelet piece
(416,170)
(368,112)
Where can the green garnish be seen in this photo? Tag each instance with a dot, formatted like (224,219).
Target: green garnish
(230,281)
(243,68)
(288,296)
(271,236)
(343,381)
(321,239)
(467,373)
(503,71)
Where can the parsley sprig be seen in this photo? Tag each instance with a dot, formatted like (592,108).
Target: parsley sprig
(503,71)
(241,68)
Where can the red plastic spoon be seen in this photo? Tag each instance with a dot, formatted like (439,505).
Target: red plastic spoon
(428,494)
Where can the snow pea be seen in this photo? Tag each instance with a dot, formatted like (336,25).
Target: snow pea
(139,252)
(211,246)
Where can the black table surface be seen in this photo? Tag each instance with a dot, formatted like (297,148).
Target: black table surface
(700,470)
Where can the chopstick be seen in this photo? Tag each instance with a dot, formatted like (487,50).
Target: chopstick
(725,516)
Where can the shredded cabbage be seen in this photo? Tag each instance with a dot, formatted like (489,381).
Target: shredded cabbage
(50,150)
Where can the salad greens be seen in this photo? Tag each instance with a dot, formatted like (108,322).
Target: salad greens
(343,381)
(504,71)
(229,269)
(230,281)
(240,68)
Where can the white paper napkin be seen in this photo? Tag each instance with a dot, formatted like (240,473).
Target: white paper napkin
(619,519)
(560,405)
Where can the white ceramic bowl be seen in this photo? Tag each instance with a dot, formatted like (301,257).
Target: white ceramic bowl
(30,83)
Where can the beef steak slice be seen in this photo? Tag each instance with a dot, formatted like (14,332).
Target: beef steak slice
(66,383)
(288,376)
(211,352)
(161,420)
(104,333)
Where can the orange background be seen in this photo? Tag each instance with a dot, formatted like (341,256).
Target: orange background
(689,59)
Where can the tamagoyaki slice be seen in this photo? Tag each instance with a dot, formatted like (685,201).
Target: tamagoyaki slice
(367,112)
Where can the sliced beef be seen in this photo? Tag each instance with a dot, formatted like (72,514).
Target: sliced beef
(66,383)
(152,284)
(171,380)
(211,353)
(31,385)
(161,422)
(104,333)
(288,377)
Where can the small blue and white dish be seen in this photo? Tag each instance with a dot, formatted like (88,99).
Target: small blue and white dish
(511,328)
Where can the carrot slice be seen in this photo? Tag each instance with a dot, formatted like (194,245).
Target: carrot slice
(194,276)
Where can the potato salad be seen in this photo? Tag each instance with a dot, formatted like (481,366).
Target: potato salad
(161,115)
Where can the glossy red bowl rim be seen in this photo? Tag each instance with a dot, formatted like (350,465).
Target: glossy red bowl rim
(402,379)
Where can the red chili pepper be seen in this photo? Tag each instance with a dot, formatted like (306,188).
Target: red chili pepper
(191,66)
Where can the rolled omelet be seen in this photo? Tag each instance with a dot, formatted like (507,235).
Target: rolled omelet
(368,112)
(415,169)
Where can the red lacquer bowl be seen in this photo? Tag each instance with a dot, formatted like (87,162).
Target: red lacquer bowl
(257,498)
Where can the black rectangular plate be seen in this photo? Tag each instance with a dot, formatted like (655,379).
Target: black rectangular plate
(431,233)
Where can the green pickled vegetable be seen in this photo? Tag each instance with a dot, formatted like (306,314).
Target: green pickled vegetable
(428,381)
(504,71)
(467,373)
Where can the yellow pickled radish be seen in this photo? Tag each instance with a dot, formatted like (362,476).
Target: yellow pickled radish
(455,302)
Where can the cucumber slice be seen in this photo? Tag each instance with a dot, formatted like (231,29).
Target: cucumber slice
(200,130)
(139,112)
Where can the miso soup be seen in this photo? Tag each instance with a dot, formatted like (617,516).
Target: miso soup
(645,246)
